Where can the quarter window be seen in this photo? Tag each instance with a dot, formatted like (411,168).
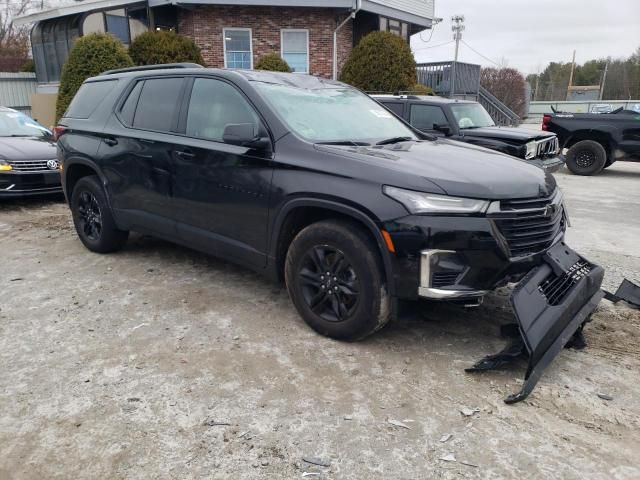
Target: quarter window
(213,105)
(295,49)
(424,117)
(237,48)
(157,106)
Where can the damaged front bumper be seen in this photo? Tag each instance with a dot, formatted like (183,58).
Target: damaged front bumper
(551,303)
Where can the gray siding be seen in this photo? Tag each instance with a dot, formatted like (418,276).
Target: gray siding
(16,90)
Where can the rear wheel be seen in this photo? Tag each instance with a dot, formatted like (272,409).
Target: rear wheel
(334,277)
(93,219)
(586,158)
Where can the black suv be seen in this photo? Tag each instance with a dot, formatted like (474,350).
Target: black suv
(467,121)
(313,182)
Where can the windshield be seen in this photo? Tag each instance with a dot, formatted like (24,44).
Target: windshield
(16,124)
(471,115)
(333,115)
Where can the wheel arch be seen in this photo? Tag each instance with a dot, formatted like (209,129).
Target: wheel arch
(603,138)
(301,212)
(77,168)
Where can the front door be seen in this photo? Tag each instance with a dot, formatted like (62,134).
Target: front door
(220,189)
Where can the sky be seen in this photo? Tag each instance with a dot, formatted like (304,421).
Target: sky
(528,34)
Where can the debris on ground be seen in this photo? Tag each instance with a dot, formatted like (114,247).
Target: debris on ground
(398,423)
(604,396)
(469,412)
(449,457)
(445,438)
(316,461)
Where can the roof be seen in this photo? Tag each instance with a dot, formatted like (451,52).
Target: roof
(425,98)
(75,8)
(418,12)
(297,80)
(16,89)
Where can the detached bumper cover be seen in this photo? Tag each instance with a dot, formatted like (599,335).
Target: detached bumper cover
(550,303)
(552,164)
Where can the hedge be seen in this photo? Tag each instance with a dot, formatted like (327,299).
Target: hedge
(272,62)
(381,62)
(90,56)
(153,48)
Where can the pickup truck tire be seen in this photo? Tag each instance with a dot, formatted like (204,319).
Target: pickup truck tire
(335,279)
(93,219)
(586,158)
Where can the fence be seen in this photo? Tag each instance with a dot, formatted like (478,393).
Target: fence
(16,90)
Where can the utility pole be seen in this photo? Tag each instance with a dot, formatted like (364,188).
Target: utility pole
(457,28)
(573,66)
(604,79)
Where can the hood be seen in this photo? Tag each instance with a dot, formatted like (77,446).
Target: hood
(518,135)
(457,168)
(27,148)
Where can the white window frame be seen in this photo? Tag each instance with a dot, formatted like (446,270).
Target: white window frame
(295,30)
(224,42)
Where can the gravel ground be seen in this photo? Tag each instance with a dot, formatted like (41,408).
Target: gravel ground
(162,363)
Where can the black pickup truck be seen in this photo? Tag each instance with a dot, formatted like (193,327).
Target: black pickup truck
(467,121)
(596,140)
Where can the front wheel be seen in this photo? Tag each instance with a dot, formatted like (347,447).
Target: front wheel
(586,158)
(334,277)
(93,219)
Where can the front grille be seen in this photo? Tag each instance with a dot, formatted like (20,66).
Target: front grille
(555,288)
(443,279)
(530,225)
(548,147)
(29,165)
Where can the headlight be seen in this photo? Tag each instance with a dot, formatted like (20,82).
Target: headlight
(4,166)
(419,202)
(532,150)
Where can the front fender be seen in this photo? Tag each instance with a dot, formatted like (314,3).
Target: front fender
(349,211)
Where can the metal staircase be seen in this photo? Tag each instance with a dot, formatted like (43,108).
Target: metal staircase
(438,76)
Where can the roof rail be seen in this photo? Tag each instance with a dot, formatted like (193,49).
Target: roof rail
(403,93)
(152,67)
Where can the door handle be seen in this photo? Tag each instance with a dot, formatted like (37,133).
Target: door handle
(111,141)
(185,153)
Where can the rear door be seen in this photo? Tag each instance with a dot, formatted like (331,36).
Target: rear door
(137,150)
(221,190)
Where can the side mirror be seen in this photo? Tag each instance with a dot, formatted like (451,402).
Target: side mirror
(443,128)
(246,135)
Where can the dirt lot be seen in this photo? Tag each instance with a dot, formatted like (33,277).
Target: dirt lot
(159,362)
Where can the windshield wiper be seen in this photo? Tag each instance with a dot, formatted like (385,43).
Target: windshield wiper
(391,140)
(345,142)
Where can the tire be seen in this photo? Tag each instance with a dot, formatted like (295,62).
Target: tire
(586,158)
(360,305)
(93,219)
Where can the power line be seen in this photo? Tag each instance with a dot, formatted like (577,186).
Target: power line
(477,52)
(435,46)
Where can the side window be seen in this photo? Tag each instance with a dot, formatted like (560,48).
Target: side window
(424,117)
(157,106)
(213,105)
(395,107)
(89,96)
(128,110)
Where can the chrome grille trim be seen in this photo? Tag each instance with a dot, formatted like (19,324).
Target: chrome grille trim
(547,147)
(30,165)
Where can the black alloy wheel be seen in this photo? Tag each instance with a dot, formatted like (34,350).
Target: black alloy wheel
(90,217)
(336,280)
(329,283)
(586,157)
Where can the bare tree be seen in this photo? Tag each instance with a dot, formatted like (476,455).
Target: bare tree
(14,40)
(508,85)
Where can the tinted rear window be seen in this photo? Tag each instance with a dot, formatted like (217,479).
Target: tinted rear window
(89,96)
(129,108)
(157,106)
(395,107)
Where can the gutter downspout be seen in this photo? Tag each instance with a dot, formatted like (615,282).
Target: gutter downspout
(335,37)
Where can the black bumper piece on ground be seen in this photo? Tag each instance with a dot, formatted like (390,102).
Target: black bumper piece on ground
(551,303)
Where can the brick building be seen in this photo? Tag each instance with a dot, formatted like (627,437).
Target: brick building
(313,36)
